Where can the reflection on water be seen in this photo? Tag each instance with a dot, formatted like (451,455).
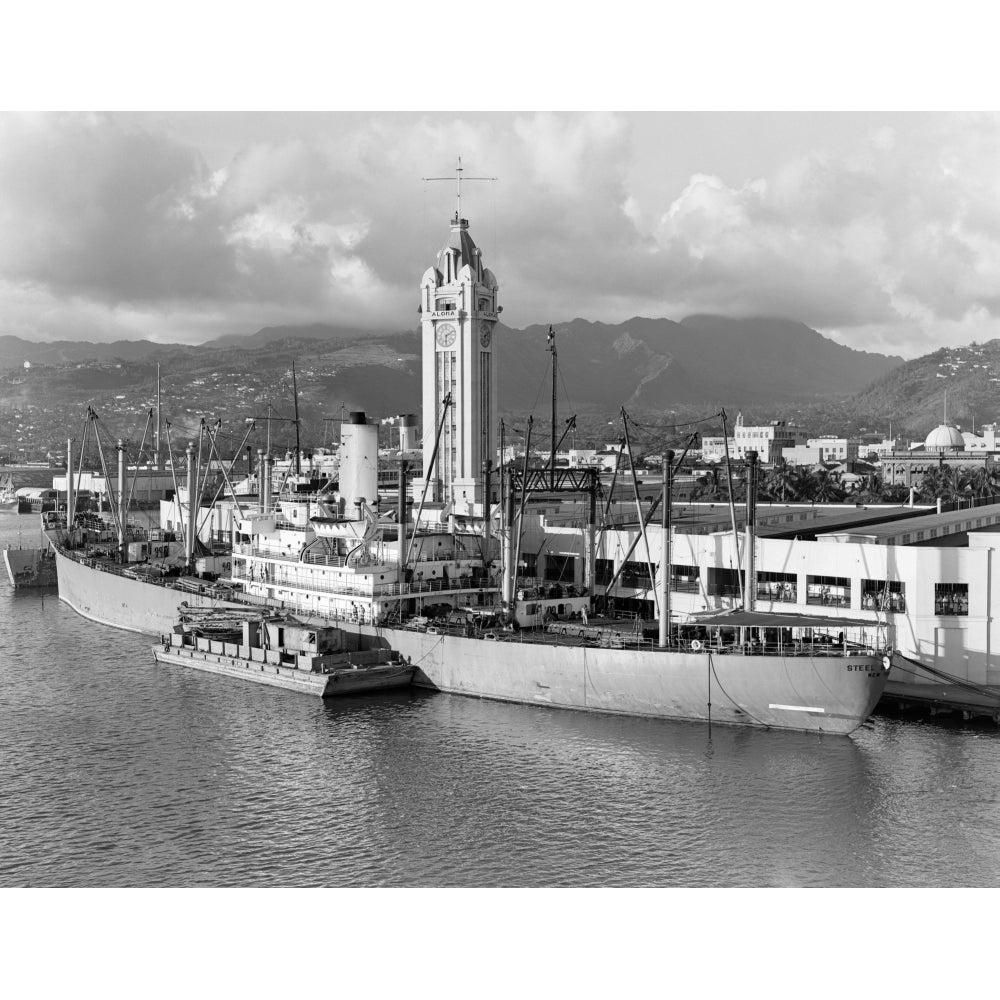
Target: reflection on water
(114,771)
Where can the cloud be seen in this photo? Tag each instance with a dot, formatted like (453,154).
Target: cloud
(131,225)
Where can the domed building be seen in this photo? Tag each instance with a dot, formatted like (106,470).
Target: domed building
(945,438)
(945,445)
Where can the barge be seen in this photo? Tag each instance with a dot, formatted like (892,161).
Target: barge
(280,651)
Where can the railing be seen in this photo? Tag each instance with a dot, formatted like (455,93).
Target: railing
(190,585)
(946,606)
(273,580)
(540,590)
(368,590)
(322,559)
(609,638)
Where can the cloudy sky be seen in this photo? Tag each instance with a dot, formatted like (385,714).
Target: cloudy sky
(880,229)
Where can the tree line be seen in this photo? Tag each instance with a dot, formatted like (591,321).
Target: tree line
(785,483)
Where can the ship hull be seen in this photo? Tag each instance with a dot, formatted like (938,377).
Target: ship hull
(829,694)
(124,602)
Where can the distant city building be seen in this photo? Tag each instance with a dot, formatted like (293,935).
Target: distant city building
(943,446)
(769,441)
(579,457)
(879,449)
(713,449)
(834,449)
(988,441)
(802,454)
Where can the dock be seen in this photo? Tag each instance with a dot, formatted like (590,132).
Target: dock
(940,693)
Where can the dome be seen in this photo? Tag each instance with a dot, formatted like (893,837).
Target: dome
(945,438)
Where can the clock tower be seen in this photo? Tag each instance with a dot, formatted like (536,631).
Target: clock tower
(459,311)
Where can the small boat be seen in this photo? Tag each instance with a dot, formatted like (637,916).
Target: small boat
(280,651)
(30,567)
(8,493)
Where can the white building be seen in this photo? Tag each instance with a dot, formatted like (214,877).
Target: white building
(940,599)
(881,448)
(802,454)
(768,441)
(986,442)
(713,449)
(834,449)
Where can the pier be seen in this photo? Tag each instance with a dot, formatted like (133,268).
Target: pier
(941,694)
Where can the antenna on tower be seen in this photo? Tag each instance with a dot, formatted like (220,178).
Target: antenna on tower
(459,170)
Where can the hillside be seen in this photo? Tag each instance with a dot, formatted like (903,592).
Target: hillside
(913,395)
(653,364)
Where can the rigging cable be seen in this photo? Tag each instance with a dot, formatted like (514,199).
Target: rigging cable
(739,708)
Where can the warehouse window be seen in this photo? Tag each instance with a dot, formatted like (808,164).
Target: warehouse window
(951,598)
(828,590)
(772,586)
(883,595)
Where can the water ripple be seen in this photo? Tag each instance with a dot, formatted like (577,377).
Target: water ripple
(117,772)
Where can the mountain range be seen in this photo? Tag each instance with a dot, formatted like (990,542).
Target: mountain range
(644,364)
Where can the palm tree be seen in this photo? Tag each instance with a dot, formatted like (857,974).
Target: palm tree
(782,484)
(710,488)
(941,484)
(894,493)
(871,489)
(820,487)
(978,483)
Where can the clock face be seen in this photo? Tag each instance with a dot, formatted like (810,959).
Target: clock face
(446,334)
(485,333)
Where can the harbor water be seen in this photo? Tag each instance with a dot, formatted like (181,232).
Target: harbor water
(117,772)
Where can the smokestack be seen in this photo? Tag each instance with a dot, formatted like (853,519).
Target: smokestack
(407,432)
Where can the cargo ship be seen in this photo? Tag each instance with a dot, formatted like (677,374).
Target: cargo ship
(432,600)
(444,584)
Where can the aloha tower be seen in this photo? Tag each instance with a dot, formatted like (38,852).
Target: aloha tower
(459,312)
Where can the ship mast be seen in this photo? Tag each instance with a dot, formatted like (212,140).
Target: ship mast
(750,584)
(732,505)
(555,366)
(156,435)
(298,447)
(665,527)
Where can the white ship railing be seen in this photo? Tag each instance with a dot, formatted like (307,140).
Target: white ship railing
(413,588)
(609,638)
